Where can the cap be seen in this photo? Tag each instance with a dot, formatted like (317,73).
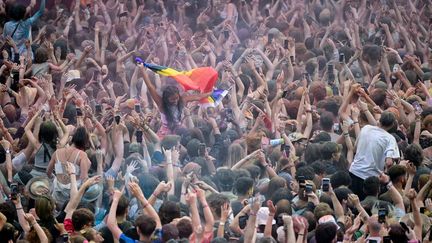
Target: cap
(296,136)
(72,74)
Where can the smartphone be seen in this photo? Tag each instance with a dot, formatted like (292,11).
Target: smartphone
(341,57)
(139,135)
(286,44)
(330,73)
(382,213)
(117,119)
(301,181)
(226,34)
(404,226)
(270,38)
(386,239)
(372,241)
(285,94)
(309,188)
(42,113)
(325,184)
(417,106)
(373,17)
(229,115)
(14,191)
(201,149)
(98,109)
(292,60)
(65,238)
(267,12)
(422,210)
(79,112)
(396,68)
(177,35)
(15,76)
(137,108)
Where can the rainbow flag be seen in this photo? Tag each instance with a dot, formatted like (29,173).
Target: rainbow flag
(214,99)
(202,79)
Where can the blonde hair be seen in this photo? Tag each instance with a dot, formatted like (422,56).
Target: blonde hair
(235,153)
(3,218)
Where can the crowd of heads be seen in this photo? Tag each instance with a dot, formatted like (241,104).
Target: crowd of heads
(321,130)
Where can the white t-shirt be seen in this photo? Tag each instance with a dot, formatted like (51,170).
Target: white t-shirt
(373,147)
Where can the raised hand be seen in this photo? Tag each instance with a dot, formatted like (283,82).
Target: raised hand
(132,167)
(225,210)
(135,190)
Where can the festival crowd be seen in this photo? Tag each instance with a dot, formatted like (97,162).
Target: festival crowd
(321,129)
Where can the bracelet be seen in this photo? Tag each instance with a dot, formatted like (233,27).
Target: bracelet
(19,209)
(346,134)
(145,205)
(33,224)
(205,206)
(356,122)
(221,223)
(252,214)
(154,195)
(271,214)
(308,111)
(71,173)
(301,234)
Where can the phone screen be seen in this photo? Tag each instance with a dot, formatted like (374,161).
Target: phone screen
(98,108)
(139,135)
(79,112)
(341,57)
(138,108)
(326,184)
(201,149)
(286,44)
(417,107)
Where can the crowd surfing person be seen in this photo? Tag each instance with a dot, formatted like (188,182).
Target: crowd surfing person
(324,133)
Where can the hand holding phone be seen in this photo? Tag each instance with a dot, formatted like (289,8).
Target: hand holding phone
(325,184)
(139,136)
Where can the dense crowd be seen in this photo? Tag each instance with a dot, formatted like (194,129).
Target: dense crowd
(321,132)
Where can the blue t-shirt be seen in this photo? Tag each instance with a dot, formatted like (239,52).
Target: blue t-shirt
(157,237)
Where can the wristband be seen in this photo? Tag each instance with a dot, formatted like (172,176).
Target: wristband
(356,122)
(300,234)
(221,223)
(346,134)
(18,209)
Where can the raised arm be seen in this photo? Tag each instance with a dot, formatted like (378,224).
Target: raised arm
(148,209)
(112,221)
(39,13)
(151,88)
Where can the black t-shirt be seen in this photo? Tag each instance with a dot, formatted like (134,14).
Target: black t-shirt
(107,235)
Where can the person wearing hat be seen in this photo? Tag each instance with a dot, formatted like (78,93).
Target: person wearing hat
(299,141)
(376,149)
